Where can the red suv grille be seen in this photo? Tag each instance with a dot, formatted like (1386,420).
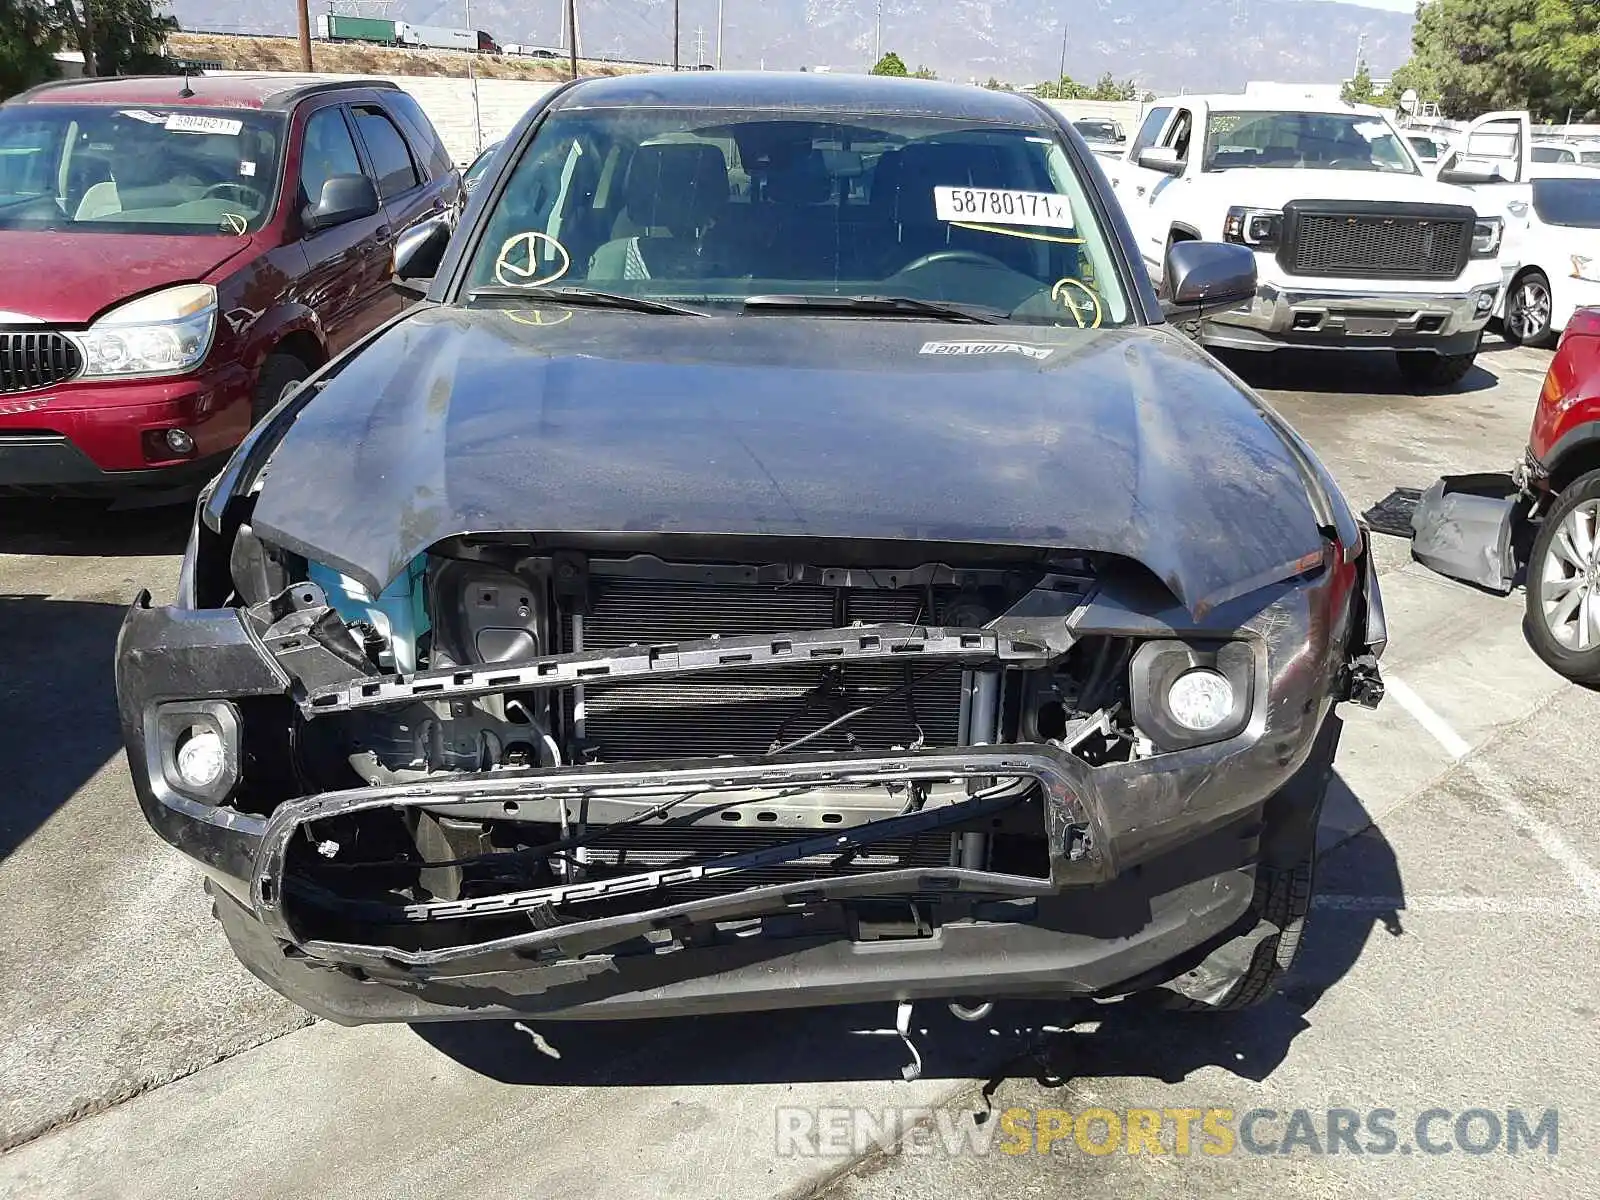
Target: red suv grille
(36,360)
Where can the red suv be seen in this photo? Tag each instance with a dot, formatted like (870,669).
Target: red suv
(177,254)
(1545,516)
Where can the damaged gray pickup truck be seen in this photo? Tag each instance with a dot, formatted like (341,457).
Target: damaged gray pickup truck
(785,560)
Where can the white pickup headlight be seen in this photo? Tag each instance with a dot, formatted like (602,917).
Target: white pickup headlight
(1486,233)
(165,333)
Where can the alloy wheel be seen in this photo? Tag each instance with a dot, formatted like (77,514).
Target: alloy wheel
(1569,590)
(1530,310)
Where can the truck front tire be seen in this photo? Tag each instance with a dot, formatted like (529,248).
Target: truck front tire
(1425,369)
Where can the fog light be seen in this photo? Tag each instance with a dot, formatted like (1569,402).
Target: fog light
(1200,700)
(1485,302)
(180,441)
(200,758)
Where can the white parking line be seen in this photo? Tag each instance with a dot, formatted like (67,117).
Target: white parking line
(1454,744)
(1498,906)
(1555,847)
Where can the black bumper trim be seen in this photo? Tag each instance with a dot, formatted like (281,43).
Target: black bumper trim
(1069,796)
(1065,947)
(50,461)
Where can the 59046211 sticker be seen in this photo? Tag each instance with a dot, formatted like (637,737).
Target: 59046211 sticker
(1002,206)
(196,123)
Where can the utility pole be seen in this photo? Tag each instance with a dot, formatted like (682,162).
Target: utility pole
(305,33)
(719,35)
(877,36)
(1062,74)
(472,76)
(1361,54)
(674,35)
(572,33)
(699,46)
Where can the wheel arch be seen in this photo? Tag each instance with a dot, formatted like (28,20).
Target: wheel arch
(301,343)
(1574,455)
(1182,232)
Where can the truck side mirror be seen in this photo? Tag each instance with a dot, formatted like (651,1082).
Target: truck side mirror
(1160,158)
(344,198)
(1207,277)
(417,255)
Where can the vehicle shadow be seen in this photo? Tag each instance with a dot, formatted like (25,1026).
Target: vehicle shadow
(1039,1040)
(91,528)
(1330,371)
(58,706)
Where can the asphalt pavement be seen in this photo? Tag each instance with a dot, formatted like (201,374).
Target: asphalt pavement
(1450,964)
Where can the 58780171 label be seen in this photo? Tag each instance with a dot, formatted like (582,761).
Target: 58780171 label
(1002,206)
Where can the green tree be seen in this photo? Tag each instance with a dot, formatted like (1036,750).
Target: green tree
(1065,88)
(1477,55)
(1107,88)
(924,73)
(29,38)
(1359,89)
(1413,77)
(127,35)
(995,85)
(889,64)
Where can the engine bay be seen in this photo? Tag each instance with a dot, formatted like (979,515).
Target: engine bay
(596,733)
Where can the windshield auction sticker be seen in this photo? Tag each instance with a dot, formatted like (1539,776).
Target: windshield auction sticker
(192,123)
(1001,206)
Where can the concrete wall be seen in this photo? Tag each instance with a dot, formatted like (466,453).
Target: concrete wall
(1128,113)
(449,105)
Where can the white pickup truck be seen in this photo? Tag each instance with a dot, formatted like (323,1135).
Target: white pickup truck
(1357,248)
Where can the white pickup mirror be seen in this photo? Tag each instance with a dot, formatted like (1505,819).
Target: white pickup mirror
(1160,158)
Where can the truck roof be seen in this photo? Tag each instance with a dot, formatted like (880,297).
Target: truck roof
(1287,100)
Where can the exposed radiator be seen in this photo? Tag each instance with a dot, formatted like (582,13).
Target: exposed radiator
(744,712)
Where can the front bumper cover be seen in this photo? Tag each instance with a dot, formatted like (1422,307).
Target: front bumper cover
(1468,527)
(1286,315)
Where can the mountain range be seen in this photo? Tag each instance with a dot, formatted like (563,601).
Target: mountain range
(1164,45)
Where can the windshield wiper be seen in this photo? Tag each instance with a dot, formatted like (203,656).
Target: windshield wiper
(570,294)
(939,310)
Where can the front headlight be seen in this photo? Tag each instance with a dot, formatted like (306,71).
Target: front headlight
(1584,267)
(165,333)
(1258,228)
(1191,693)
(1200,700)
(1486,237)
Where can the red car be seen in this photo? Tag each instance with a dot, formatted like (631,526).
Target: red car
(178,254)
(1544,517)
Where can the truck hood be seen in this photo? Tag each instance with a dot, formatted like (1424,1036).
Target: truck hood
(71,278)
(1262,187)
(1124,441)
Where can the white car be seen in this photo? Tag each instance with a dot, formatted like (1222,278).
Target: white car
(1555,235)
(1357,248)
(1550,255)
(1567,153)
(1104,136)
